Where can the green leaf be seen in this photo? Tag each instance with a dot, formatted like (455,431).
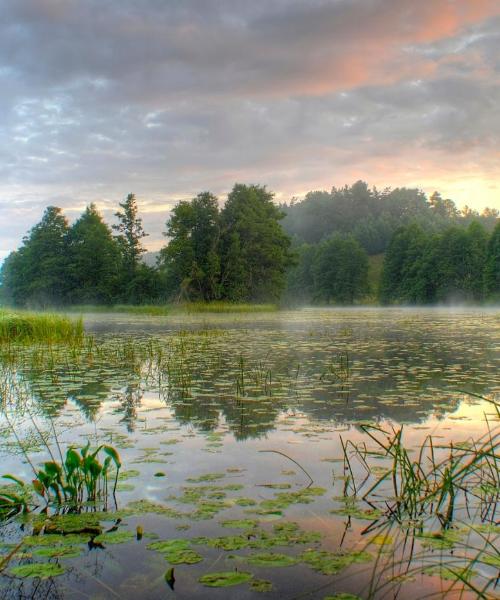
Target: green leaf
(225,579)
(53,469)
(110,451)
(42,570)
(15,479)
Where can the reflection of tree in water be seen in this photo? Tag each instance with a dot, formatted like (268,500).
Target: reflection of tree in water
(246,417)
(129,401)
(31,589)
(202,413)
(250,418)
(198,376)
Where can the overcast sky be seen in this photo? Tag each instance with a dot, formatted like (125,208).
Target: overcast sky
(166,98)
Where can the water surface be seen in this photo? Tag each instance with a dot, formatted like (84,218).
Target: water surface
(223,418)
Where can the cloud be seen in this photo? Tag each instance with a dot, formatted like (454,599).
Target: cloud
(166,99)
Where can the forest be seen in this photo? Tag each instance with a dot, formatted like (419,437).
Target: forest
(323,249)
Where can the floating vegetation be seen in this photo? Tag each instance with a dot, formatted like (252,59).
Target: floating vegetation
(261,585)
(40,570)
(206,477)
(285,499)
(240,523)
(176,552)
(283,534)
(225,579)
(271,559)
(331,563)
(192,402)
(114,537)
(59,552)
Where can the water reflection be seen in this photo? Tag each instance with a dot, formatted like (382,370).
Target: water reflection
(340,368)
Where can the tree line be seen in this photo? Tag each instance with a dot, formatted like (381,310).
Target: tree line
(372,216)
(251,249)
(455,265)
(238,253)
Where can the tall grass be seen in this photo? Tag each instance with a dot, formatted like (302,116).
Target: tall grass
(438,494)
(227,307)
(429,482)
(169,309)
(28,327)
(140,309)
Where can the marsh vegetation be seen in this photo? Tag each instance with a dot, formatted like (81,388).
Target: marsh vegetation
(302,454)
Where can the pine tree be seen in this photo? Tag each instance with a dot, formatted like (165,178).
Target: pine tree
(36,275)
(94,260)
(130,233)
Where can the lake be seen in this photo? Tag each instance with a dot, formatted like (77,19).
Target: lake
(277,451)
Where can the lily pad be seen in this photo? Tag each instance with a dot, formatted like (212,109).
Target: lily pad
(59,551)
(115,537)
(41,570)
(225,579)
(176,551)
(330,563)
(206,477)
(261,585)
(240,523)
(271,559)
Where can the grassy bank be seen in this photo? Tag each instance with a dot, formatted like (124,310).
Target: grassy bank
(20,326)
(169,309)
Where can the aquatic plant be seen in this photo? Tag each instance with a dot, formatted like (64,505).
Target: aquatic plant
(443,499)
(13,498)
(227,307)
(431,483)
(338,369)
(29,327)
(168,309)
(79,477)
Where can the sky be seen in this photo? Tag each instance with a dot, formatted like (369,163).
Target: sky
(167,98)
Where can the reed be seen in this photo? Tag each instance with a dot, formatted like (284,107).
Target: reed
(227,307)
(26,327)
(178,308)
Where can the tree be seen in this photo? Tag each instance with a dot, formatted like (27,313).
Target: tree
(94,260)
(492,265)
(255,251)
(454,270)
(130,233)
(191,259)
(401,280)
(443,207)
(341,270)
(12,278)
(477,245)
(300,282)
(36,275)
